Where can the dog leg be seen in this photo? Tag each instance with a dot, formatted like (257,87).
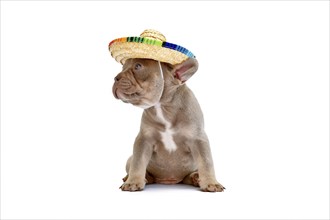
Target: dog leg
(137,165)
(202,155)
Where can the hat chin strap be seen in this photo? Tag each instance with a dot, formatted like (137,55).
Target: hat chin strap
(161,71)
(157,104)
(162,75)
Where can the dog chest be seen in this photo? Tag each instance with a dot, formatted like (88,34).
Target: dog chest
(167,135)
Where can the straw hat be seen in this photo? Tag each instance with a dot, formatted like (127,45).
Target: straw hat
(150,45)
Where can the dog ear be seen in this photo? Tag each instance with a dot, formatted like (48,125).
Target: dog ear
(185,70)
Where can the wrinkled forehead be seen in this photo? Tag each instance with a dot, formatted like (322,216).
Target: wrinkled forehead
(132,61)
(149,63)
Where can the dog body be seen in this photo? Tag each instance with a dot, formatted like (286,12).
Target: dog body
(171,146)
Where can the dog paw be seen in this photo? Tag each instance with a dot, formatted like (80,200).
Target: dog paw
(195,179)
(212,187)
(133,186)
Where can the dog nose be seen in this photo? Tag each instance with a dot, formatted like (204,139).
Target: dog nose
(117,78)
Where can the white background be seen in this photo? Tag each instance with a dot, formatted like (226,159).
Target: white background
(263,84)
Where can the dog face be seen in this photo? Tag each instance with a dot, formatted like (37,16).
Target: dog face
(143,82)
(140,83)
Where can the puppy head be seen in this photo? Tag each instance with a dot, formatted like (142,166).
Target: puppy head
(141,81)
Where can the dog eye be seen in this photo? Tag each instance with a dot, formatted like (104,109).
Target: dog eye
(137,66)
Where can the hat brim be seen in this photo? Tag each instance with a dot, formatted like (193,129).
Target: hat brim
(139,47)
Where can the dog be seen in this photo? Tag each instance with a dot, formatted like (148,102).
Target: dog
(171,146)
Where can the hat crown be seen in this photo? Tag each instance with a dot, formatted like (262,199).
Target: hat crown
(153,34)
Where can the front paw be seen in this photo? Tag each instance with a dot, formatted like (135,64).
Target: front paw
(133,185)
(212,187)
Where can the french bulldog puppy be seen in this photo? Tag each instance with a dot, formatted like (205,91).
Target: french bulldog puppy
(171,146)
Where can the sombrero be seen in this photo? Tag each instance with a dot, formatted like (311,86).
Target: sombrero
(150,45)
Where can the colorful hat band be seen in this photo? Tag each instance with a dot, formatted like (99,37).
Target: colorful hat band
(158,43)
